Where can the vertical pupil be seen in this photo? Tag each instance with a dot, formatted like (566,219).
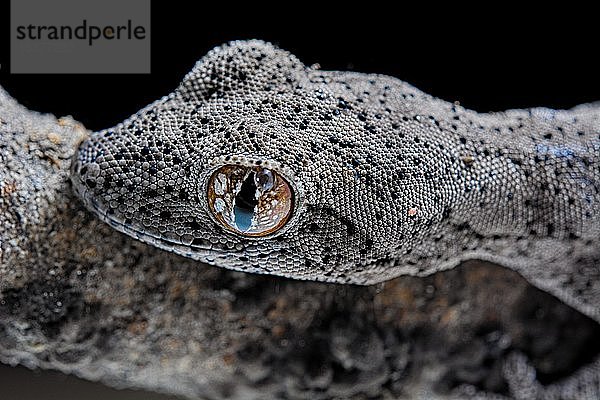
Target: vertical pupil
(245,202)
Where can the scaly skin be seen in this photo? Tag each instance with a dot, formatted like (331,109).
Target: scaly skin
(387,180)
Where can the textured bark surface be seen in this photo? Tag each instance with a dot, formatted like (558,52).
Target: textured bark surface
(79,297)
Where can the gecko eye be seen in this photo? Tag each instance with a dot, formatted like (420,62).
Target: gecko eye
(251,201)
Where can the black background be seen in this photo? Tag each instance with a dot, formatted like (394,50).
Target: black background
(488,59)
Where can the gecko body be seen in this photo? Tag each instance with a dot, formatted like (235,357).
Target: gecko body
(367,177)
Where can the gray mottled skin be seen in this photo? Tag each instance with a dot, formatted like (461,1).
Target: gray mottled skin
(389,180)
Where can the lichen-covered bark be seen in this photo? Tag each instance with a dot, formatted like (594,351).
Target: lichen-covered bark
(77,296)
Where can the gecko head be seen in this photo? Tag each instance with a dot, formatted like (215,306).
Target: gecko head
(255,163)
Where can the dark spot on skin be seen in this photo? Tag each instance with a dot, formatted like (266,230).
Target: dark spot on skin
(350,228)
(194,225)
(107,181)
(165,214)
(446,213)
(198,242)
(313,227)
(573,236)
(463,226)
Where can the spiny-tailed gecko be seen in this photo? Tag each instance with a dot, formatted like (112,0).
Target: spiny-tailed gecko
(258,163)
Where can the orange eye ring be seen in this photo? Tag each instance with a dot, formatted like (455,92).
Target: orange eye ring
(250,201)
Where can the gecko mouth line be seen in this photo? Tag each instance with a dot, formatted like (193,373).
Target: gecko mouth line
(141,235)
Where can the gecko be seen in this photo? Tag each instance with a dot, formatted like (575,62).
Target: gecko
(261,164)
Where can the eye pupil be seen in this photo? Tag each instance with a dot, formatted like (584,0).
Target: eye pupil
(252,201)
(245,204)
(246,198)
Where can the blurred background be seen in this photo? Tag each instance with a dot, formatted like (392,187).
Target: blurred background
(502,58)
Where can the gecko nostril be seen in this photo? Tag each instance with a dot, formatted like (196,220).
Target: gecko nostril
(251,201)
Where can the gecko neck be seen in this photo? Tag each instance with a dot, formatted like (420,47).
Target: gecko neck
(533,176)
